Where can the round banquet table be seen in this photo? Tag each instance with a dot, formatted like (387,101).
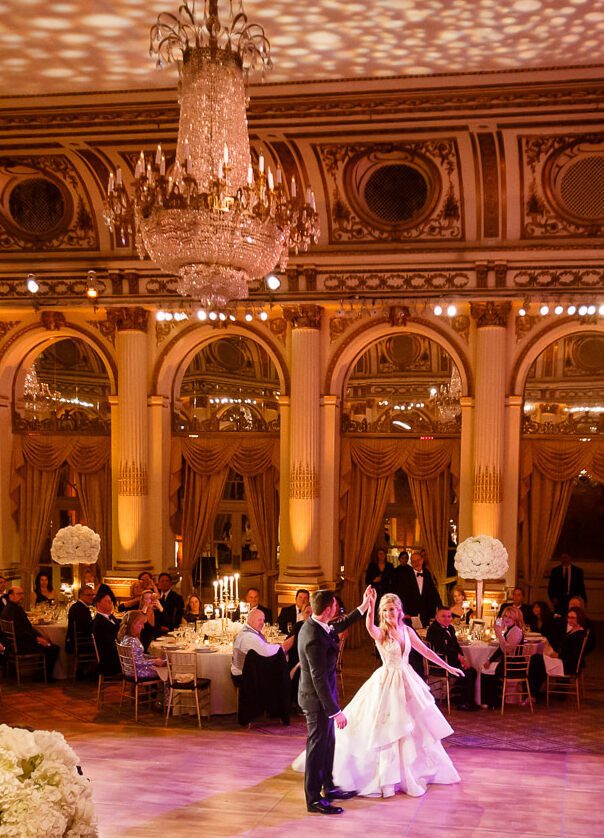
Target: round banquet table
(478,652)
(213,665)
(56,633)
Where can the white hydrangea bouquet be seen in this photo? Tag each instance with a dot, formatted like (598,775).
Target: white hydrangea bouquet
(75,545)
(42,792)
(481,557)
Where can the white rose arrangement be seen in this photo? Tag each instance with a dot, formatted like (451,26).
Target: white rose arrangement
(75,545)
(481,557)
(42,792)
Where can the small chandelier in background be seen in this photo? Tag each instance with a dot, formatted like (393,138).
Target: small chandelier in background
(216,220)
(37,395)
(445,399)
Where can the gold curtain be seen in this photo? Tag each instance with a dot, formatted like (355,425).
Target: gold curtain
(547,472)
(194,503)
(36,466)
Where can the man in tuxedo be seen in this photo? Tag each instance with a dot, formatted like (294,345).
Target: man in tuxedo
(417,590)
(29,641)
(318,697)
(79,618)
(172,604)
(3,595)
(441,636)
(104,629)
(253,598)
(565,581)
(517,601)
(292,614)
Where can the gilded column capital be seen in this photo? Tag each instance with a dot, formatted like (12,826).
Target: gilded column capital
(490,313)
(128,318)
(303,317)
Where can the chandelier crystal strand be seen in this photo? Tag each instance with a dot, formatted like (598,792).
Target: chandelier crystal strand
(216,220)
(445,400)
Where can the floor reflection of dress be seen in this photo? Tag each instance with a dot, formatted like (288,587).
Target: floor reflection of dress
(392,740)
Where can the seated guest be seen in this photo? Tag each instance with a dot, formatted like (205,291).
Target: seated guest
(517,601)
(292,614)
(251,637)
(253,598)
(133,601)
(565,581)
(79,619)
(542,618)
(150,606)
(89,579)
(441,636)
(380,575)
(457,610)
(104,590)
(104,631)
(43,588)
(172,604)
(568,651)
(129,635)
(193,611)
(3,594)
(579,602)
(29,641)
(146,581)
(509,635)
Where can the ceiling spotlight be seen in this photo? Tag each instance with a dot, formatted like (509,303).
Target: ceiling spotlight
(522,311)
(559,309)
(222,316)
(582,311)
(160,316)
(571,309)
(232,317)
(438,310)
(213,315)
(91,289)
(263,315)
(451,310)
(544,310)
(32,284)
(591,309)
(168,315)
(601,310)
(202,314)
(273,283)
(248,316)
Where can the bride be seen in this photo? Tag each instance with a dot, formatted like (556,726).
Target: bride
(392,740)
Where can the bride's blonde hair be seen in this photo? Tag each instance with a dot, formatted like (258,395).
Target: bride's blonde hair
(387,629)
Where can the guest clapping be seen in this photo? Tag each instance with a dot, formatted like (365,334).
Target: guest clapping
(509,635)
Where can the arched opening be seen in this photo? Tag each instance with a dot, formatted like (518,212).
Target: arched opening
(225,439)
(562,460)
(401,427)
(61,452)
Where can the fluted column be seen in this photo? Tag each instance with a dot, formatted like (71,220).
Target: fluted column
(329,488)
(511,483)
(489,424)
(132,441)
(304,560)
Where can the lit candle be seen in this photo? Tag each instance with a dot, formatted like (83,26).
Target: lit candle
(236,586)
(118,176)
(231,580)
(312,201)
(293,187)
(308,195)
(279,176)
(162,166)
(111,183)
(215,590)
(271,184)
(226,155)
(250,175)
(158,155)
(187,152)
(220,583)
(170,185)
(149,174)
(261,163)
(139,168)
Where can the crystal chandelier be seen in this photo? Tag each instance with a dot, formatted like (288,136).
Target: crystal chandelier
(216,220)
(445,399)
(37,394)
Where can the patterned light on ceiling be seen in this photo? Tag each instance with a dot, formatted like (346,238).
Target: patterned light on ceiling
(217,221)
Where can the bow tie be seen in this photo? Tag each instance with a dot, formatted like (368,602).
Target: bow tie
(419,573)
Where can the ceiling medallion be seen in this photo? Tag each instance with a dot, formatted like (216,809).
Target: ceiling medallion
(215,220)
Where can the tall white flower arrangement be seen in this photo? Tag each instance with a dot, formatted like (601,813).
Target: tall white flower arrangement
(75,545)
(42,792)
(481,557)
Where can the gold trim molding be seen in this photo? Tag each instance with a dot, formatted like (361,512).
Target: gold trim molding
(303,482)
(487,485)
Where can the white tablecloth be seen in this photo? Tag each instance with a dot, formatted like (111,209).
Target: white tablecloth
(56,633)
(478,652)
(213,665)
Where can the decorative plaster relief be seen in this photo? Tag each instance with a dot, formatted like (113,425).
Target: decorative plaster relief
(575,277)
(6,326)
(303,482)
(487,485)
(396,281)
(490,313)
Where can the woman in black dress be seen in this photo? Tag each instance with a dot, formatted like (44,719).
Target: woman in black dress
(43,588)
(193,611)
(568,651)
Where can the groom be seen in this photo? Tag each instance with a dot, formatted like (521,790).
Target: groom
(318,697)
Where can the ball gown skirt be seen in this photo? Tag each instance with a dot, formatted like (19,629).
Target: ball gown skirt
(392,742)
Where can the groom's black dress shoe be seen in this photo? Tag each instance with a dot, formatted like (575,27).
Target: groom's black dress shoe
(336,793)
(322,807)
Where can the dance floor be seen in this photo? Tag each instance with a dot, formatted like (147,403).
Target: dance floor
(522,775)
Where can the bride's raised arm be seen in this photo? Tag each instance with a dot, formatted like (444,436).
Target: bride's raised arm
(369,622)
(421,647)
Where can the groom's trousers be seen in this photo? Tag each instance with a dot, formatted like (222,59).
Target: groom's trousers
(320,746)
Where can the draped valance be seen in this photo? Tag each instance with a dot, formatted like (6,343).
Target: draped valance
(560,460)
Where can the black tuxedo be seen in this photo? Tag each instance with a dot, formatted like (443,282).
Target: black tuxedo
(3,602)
(174,608)
(27,637)
(289,614)
(79,619)
(558,588)
(416,604)
(444,643)
(105,634)
(318,698)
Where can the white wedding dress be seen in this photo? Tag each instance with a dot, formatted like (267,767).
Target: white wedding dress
(392,740)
